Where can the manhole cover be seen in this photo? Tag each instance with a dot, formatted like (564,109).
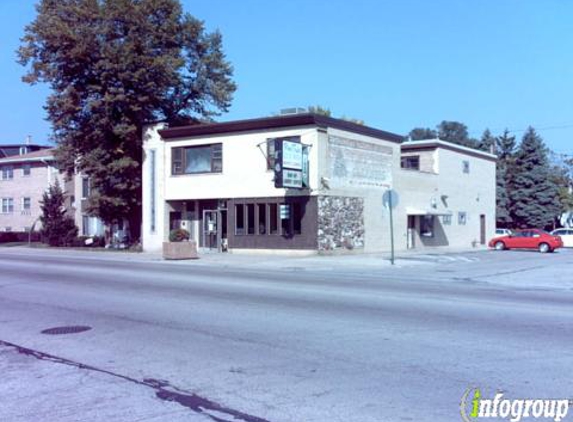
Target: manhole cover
(73,329)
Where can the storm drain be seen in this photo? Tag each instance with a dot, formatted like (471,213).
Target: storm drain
(72,329)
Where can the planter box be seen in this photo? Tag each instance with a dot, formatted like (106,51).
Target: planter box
(180,250)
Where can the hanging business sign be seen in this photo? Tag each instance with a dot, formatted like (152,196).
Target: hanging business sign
(292,178)
(292,155)
(290,163)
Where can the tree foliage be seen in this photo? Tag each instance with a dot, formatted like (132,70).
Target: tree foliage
(456,133)
(113,66)
(58,229)
(419,134)
(505,170)
(486,142)
(534,194)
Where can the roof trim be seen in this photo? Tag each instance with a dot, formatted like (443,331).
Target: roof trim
(277,122)
(34,156)
(432,144)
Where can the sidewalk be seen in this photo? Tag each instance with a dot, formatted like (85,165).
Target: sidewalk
(275,262)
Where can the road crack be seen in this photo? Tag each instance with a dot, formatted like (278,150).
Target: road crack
(163,390)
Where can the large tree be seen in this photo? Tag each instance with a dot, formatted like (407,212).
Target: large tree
(486,142)
(420,133)
(456,133)
(113,66)
(505,148)
(534,194)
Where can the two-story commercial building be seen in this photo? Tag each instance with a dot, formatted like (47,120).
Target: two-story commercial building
(217,181)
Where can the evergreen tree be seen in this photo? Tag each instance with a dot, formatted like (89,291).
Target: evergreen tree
(534,194)
(505,150)
(487,141)
(58,229)
(114,66)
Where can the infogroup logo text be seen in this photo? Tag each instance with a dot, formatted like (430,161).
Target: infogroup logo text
(474,407)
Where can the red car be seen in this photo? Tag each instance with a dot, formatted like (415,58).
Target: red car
(527,239)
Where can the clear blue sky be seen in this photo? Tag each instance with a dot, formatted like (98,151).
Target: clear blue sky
(395,64)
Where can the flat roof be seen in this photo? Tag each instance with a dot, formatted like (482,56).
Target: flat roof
(277,122)
(432,144)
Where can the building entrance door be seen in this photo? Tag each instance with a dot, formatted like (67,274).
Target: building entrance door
(211,238)
(411,232)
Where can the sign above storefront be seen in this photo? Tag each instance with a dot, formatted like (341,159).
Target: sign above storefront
(291,166)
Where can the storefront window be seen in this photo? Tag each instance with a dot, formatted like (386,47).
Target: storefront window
(273,218)
(262,218)
(297,218)
(250,218)
(239,219)
(427,226)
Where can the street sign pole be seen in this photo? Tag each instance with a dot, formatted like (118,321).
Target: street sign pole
(391,230)
(390,200)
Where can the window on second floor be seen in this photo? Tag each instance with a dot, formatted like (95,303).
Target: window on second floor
(26,204)
(26,169)
(411,162)
(466,166)
(197,159)
(85,187)
(7,172)
(7,205)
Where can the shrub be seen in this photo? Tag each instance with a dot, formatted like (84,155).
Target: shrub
(58,229)
(178,235)
(7,237)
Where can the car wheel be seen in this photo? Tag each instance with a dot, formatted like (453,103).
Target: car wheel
(499,246)
(544,247)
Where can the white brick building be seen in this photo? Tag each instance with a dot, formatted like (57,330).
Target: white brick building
(215,181)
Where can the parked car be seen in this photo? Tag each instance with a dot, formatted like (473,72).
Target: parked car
(503,232)
(566,236)
(527,239)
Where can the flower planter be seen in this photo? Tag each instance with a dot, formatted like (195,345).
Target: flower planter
(180,250)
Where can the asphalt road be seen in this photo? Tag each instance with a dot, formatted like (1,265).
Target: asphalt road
(191,342)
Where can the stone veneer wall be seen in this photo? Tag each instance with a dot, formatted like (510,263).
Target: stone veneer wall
(340,223)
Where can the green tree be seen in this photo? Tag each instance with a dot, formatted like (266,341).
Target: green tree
(534,194)
(58,229)
(562,176)
(487,141)
(113,66)
(455,132)
(419,133)
(317,109)
(505,148)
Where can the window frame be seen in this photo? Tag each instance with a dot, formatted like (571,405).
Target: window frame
(26,170)
(462,218)
(466,166)
(179,159)
(7,205)
(7,172)
(404,160)
(24,208)
(86,187)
